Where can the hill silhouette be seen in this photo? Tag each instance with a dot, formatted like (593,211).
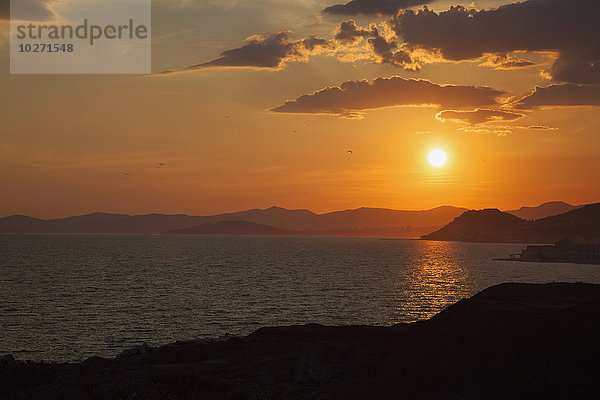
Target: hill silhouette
(581,225)
(479,226)
(366,222)
(362,221)
(544,210)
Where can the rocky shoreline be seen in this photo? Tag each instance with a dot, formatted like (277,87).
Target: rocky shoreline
(511,341)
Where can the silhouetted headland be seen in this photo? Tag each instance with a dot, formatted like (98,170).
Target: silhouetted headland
(581,225)
(511,341)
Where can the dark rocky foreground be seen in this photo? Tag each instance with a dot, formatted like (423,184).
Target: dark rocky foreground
(512,341)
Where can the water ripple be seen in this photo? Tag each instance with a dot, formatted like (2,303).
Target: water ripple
(69,297)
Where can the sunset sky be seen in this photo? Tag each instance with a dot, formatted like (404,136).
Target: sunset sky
(255,103)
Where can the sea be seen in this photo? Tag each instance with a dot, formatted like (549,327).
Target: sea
(67,298)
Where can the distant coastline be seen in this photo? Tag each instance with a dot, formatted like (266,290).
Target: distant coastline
(361,222)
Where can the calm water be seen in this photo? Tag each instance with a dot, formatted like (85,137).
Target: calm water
(71,297)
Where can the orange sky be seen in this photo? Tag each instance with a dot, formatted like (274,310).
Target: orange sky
(65,141)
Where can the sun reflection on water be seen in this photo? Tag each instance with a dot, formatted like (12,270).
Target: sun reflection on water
(433,279)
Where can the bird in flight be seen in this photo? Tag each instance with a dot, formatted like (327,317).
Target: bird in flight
(125,173)
(349,151)
(160,165)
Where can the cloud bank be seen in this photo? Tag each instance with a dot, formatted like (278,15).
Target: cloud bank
(270,52)
(565,28)
(351,98)
(560,95)
(276,50)
(569,27)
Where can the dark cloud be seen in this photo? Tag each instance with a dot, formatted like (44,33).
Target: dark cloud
(569,27)
(348,33)
(578,65)
(352,97)
(505,61)
(30,10)
(386,51)
(373,7)
(479,116)
(267,52)
(561,95)
(313,44)
(276,50)
(383,50)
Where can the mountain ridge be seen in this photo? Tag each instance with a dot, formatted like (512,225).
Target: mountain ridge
(298,220)
(367,221)
(543,210)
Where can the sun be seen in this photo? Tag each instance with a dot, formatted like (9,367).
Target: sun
(437,158)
